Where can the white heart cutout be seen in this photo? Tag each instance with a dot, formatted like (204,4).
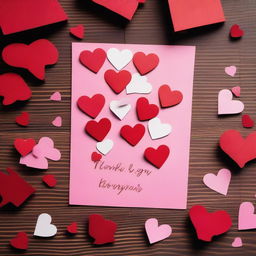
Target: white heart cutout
(105,146)
(119,110)
(157,129)
(119,59)
(138,84)
(44,228)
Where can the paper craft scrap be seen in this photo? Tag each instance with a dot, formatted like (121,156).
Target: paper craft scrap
(169,98)
(145,63)
(56,96)
(20,241)
(33,57)
(208,224)
(157,233)
(49,180)
(102,230)
(236,147)
(246,216)
(219,182)
(236,31)
(57,121)
(16,15)
(23,119)
(192,14)
(14,189)
(226,104)
(231,70)
(157,129)
(44,228)
(236,91)
(237,242)
(24,146)
(124,177)
(13,88)
(77,31)
(247,121)
(119,59)
(72,228)
(139,84)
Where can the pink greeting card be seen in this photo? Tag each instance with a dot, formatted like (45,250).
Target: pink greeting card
(151,171)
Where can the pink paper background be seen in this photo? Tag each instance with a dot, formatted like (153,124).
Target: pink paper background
(163,188)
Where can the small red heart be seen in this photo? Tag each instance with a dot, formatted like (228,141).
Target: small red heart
(93,60)
(72,228)
(239,149)
(98,130)
(208,224)
(117,80)
(169,98)
(132,134)
(24,146)
(101,230)
(247,121)
(49,180)
(20,241)
(96,157)
(158,156)
(145,63)
(23,119)
(91,106)
(146,111)
(77,31)
(236,32)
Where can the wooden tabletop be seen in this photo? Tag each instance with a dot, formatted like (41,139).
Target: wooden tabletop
(151,25)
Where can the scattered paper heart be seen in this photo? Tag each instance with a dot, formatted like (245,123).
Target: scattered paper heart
(231,70)
(23,119)
(96,157)
(169,98)
(133,135)
(145,63)
(77,31)
(236,31)
(157,129)
(49,180)
(105,146)
(236,91)
(146,111)
(44,228)
(24,146)
(72,228)
(246,216)
(247,122)
(139,85)
(237,242)
(120,112)
(57,121)
(157,157)
(20,241)
(56,96)
(119,58)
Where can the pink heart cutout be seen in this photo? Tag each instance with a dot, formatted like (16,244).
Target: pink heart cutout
(236,91)
(237,242)
(56,96)
(57,121)
(231,70)
(157,233)
(219,182)
(246,217)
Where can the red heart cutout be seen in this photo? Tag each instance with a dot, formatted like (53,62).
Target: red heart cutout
(132,134)
(158,156)
(145,63)
(239,149)
(72,228)
(77,31)
(169,98)
(101,230)
(49,180)
(236,32)
(98,130)
(23,119)
(91,106)
(247,121)
(13,88)
(146,111)
(93,60)
(20,241)
(208,224)
(33,57)
(24,146)
(117,80)
(96,157)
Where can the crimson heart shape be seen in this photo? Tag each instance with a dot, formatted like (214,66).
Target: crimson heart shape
(49,180)
(77,31)
(132,134)
(93,60)
(145,63)
(117,80)
(236,32)
(169,98)
(96,156)
(72,228)
(91,106)
(23,119)
(239,149)
(20,241)
(247,121)
(158,156)
(101,230)
(146,111)
(34,57)
(98,130)
(24,146)
(208,224)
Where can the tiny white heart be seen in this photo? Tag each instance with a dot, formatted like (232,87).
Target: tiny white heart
(44,228)
(138,84)
(121,111)
(157,129)
(105,146)
(119,59)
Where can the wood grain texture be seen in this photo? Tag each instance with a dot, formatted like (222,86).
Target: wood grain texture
(151,25)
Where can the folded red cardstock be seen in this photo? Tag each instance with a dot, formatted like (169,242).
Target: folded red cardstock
(195,13)
(17,15)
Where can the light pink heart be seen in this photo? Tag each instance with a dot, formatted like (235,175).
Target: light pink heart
(57,121)
(34,162)
(56,96)
(231,70)
(226,104)
(237,242)
(236,91)
(219,182)
(246,217)
(157,233)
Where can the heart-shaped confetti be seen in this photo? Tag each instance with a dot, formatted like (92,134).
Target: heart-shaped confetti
(119,59)
(23,119)
(157,157)
(157,129)
(169,98)
(237,242)
(246,216)
(146,111)
(236,31)
(247,122)
(57,121)
(20,241)
(95,157)
(119,111)
(132,135)
(77,31)
(49,180)
(72,228)
(56,96)
(145,63)
(139,84)
(24,146)
(236,91)
(231,70)
(44,228)
(105,146)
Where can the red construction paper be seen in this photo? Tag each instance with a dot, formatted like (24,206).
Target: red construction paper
(146,111)
(208,224)
(24,146)
(33,57)
(23,119)
(72,228)
(20,241)
(77,31)
(236,31)
(13,88)
(133,135)
(96,156)
(169,98)
(19,15)
(49,180)
(247,121)
(194,13)
(145,63)
(13,188)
